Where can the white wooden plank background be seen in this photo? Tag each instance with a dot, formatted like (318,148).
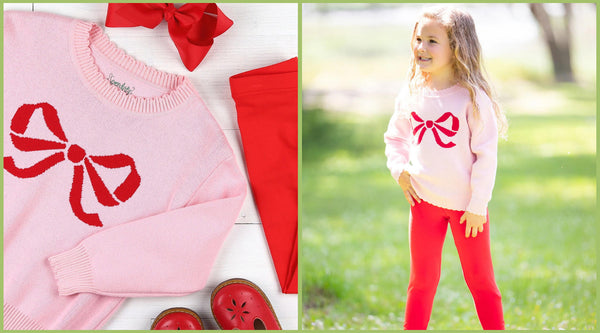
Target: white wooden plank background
(262,34)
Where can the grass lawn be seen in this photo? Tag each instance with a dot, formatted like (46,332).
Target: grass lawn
(354,223)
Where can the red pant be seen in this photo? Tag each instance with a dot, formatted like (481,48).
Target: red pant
(428,225)
(267,109)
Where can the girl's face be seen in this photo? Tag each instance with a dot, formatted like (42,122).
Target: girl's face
(432,49)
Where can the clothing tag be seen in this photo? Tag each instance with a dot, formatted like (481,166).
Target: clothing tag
(122,85)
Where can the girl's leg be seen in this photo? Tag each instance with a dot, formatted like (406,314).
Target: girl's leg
(427,230)
(476,261)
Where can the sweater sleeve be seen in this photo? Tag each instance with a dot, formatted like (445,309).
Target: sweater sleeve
(397,141)
(484,145)
(168,254)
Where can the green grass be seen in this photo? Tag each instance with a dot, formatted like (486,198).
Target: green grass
(354,223)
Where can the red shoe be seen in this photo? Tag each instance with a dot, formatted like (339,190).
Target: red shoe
(177,319)
(240,304)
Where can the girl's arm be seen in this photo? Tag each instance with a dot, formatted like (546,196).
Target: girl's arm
(397,142)
(484,145)
(397,148)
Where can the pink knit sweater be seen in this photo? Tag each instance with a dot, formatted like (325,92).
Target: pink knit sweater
(118,182)
(450,154)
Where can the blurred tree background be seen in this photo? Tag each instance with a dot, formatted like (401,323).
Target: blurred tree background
(542,61)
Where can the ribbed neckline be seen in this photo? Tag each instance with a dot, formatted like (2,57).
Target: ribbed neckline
(86,34)
(444,92)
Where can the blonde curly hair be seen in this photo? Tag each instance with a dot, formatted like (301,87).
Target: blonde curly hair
(468,68)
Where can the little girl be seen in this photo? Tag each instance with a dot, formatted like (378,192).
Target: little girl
(441,145)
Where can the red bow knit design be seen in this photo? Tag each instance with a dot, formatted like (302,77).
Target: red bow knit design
(435,127)
(73,153)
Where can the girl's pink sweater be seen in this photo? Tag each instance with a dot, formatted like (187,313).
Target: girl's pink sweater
(118,182)
(450,153)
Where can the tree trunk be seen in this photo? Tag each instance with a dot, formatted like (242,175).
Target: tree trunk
(558,40)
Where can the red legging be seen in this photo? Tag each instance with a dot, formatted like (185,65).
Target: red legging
(428,225)
(267,109)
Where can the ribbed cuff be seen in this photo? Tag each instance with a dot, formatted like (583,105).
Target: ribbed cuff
(479,208)
(396,172)
(398,168)
(72,271)
(14,319)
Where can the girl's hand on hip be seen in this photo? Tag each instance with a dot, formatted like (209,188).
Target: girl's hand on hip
(474,223)
(407,188)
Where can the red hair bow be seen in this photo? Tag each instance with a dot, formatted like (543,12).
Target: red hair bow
(192,27)
(74,153)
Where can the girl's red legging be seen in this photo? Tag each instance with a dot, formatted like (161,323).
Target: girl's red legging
(427,230)
(267,109)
